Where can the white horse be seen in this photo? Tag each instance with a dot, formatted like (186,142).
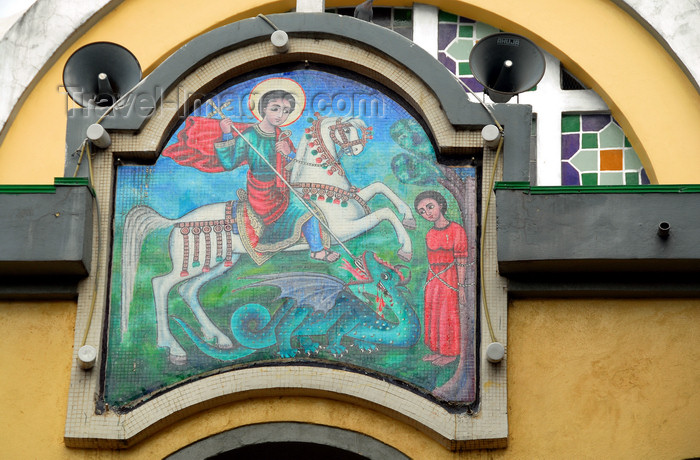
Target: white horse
(316,175)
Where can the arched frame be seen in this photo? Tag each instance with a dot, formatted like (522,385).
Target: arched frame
(139,133)
(251,435)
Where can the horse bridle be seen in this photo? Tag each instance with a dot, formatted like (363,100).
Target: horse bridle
(338,134)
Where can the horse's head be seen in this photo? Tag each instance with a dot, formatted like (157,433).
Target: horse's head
(350,134)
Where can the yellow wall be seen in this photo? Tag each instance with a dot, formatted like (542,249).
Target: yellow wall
(647,92)
(586,379)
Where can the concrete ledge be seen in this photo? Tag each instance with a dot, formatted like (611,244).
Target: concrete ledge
(574,233)
(47,238)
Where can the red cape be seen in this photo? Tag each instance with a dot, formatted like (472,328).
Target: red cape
(195,144)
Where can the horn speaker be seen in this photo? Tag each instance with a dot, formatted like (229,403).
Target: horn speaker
(506,64)
(100,73)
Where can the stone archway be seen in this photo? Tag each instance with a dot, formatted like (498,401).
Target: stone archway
(269,440)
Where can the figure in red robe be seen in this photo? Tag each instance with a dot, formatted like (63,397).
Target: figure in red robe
(444,289)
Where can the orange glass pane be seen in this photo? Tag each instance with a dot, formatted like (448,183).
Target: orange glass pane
(611,160)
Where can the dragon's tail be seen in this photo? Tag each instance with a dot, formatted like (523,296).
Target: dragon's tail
(253,327)
(209,350)
(139,222)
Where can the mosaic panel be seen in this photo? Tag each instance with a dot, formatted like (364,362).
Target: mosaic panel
(595,151)
(294,218)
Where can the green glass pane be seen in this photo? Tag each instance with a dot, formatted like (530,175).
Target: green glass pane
(444,16)
(466,31)
(611,136)
(589,179)
(459,49)
(402,14)
(627,142)
(464,68)
(585,160)
(589,141)
(631,178)
(570,123)
(611,178)
(484,30)
(631,160)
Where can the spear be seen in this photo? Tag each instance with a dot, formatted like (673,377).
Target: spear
(284,181)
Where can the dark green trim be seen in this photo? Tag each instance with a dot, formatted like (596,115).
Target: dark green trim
(21,189)
(25,189)
(579,189)
(71,181)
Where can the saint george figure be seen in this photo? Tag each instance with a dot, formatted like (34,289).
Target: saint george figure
(444,289)
(285,218)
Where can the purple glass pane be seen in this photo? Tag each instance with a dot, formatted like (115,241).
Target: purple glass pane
(447,62)
(446,33)
(569,175)
(569,145)
(463,20)
(645,178)
(473,84)
(594,122)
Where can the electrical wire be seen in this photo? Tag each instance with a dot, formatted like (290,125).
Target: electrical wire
(486,211)
(483,239)
(266,19)
(488,109)
(85,147)
(98,251)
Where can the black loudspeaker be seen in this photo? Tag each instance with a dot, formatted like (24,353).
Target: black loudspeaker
(506,64)
(100,73)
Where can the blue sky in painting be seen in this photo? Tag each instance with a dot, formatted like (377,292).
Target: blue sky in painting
(173,190)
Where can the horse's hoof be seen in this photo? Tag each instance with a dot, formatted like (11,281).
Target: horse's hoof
(225,344)
(178,360)
(410,223)
(405,256)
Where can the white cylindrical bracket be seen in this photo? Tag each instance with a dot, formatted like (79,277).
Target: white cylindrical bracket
(495,352)
(491,135)
(280,40)
(87,355)
(98,136)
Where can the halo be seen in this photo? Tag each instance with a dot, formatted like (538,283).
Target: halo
(272,84)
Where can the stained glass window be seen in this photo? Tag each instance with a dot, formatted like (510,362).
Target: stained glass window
(457,36)
(595,151)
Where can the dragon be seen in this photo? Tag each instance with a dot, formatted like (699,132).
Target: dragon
(317,305)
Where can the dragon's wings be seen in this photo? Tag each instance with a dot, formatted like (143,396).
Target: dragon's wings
(315,290)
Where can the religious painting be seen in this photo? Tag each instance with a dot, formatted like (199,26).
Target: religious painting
(294,218)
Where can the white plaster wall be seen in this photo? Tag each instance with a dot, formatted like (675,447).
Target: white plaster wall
(676,25)
(50,26)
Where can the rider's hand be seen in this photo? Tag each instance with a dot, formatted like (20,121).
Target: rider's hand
(225,125)
(284,148)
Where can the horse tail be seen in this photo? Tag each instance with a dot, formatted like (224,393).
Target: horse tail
(139,222)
